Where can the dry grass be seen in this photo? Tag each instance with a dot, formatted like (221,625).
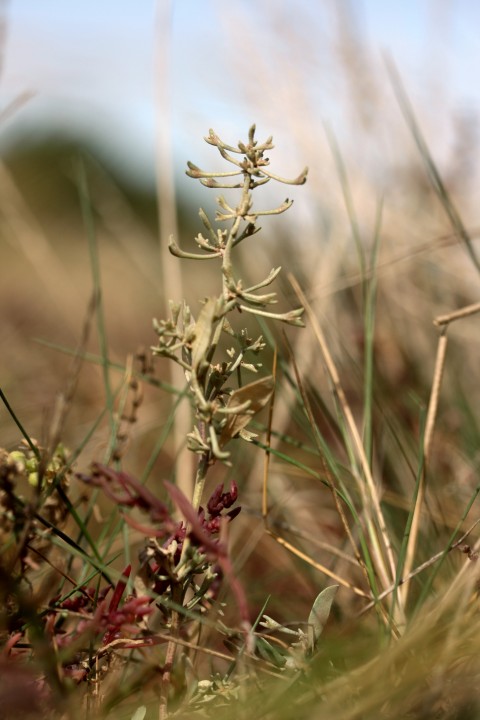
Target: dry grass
(363,401)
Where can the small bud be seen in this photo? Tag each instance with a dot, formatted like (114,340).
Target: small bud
(18,458)
(33,479)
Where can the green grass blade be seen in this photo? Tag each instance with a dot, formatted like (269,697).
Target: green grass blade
(347,197)
(89,223)
(369,331)
(98,360)
(17,422)
(430,166)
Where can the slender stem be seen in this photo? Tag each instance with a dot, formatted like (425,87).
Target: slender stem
(202,469)
(31,444)
(206,379)
(427,441)
(170,655)
(200,478)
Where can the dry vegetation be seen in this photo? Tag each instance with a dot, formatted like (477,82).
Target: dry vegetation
(371,481)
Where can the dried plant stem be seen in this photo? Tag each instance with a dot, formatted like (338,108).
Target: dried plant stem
(328,474)
(172,276)
(457,314)
(372,489)
(291,548)
(428,563)
(442,321)
(318,566)
(430,423)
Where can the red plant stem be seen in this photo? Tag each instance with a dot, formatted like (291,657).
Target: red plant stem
(119,589)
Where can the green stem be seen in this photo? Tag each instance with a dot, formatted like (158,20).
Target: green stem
(200,478)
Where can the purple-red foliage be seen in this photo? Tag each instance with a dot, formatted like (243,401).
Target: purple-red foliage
(203,527)
(111,619)
(134,494)
(128,492)
(220,500)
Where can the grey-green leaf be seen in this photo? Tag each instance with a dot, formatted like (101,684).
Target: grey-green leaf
(203,333)
(139,713)
(319,614)
(269,653)
(258,394)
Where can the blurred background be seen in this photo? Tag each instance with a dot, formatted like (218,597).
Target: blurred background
(121,93)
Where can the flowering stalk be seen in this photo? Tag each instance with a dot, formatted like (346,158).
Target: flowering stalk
(223,413)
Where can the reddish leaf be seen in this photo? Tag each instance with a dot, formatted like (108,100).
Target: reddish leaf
(119,589)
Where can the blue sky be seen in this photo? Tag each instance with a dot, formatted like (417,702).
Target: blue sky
(121,72)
